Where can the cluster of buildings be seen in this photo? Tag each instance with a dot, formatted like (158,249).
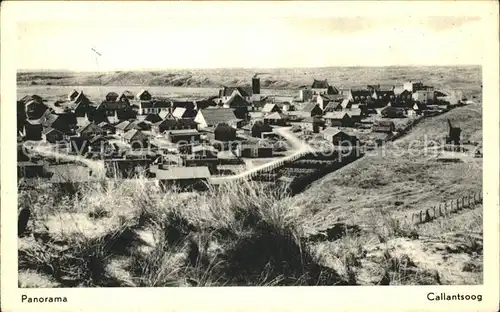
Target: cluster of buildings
(175,140)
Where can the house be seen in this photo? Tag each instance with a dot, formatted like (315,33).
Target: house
(153,107)
(258,128)
(270,108)
(236,100)
(78,145)
(226,93)
(52,135)
(34,109)
(143,95)
(413,86)
(181,112)
(355,113)
(188,105)
(224,132)
(126,168)
(185,136)
(30,169)
(322,87)
(424,96)
(419,107)
(72,95)
(152,118)
(253,150)
(338,137)
(127,94)
(311,110)
(184,178)
(404,99)
(324,99)
(122,127)
(64,122)
(312,124)
(136,139)
(111,97)
(211,117)
(111,108)
(359,96)
(338,119)
(165,115)
(174,124)
(305,95)
(277,119)
(101,145)
(383,126)
(228,158)
(108,128)
(33,130)
(90,130)
(204,151)
(333,107)
(393,112)
(202,104)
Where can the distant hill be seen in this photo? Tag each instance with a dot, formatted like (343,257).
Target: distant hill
(464,78)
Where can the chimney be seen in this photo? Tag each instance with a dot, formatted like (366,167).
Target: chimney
(255,85)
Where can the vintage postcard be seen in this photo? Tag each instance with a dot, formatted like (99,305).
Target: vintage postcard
(250,156)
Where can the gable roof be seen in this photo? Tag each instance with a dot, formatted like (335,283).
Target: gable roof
(320,84)
(276,115)
(143,91)
(333,105)
(49,130)
(335,115)
(179,112)
(205,103)
(183,132)
(72,95)
(243,90)
(310,107)
(133,133)
(164,114)
(237,101)
(183,173)
(214,116)
(361,93)
(123,125)
(90,125)
(354,112)
(332,131)
(152,118)
(268,107)
(346,103)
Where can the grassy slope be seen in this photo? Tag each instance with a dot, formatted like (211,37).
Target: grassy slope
(375,187)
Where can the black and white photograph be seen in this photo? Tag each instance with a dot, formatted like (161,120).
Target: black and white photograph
(231,150)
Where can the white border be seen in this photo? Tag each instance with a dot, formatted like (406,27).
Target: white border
(249,298)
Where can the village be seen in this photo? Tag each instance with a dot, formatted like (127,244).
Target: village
(189,142)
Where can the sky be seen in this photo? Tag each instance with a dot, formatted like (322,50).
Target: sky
(193,42)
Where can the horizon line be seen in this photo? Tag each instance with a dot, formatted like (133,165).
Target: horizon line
(234,68)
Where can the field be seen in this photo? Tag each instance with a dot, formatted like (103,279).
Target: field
(341,230)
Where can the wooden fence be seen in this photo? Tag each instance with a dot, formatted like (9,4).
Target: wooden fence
(445,209)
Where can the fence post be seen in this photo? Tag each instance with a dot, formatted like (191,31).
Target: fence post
(421,217)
